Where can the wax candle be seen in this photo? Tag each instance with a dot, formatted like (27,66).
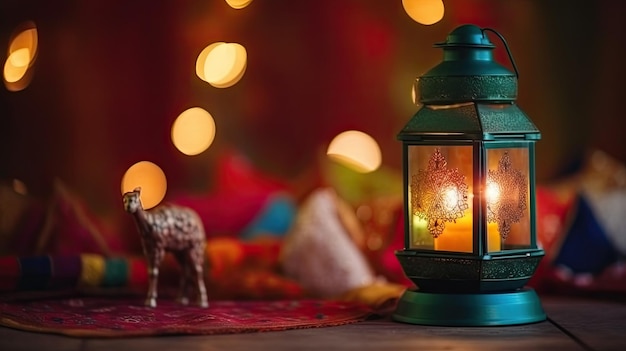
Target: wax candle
(457,236)
(493,238)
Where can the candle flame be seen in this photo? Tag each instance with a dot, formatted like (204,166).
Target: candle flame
(493,192)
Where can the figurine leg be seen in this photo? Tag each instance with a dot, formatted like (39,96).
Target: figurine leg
(183,292)
(197,259)
(202,296)
(153,276)
(154,260)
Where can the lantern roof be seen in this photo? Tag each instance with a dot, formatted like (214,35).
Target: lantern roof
(469,95)
(475,121)
(468,71)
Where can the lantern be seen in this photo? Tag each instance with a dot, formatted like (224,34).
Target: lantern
(469,193)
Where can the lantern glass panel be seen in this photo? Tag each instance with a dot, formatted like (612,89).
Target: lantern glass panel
(440,193)
(507,196)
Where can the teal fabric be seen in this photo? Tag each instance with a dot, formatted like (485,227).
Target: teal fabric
(275,218)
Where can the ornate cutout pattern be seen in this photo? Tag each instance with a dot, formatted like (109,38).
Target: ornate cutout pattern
(438,194)
(509,205)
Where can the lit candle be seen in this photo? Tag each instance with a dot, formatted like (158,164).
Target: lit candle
(493,238)
(493,233)
(457,236)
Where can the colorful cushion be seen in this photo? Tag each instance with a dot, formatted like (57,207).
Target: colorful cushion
(586,247)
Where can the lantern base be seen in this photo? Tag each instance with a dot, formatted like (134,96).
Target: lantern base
(520,306)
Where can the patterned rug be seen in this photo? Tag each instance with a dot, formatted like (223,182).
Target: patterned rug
(125,317)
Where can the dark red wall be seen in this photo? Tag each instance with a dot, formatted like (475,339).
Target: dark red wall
(111,77)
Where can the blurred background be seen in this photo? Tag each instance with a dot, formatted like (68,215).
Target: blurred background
(110,78)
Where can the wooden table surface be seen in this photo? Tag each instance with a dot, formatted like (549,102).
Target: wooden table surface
(573,324)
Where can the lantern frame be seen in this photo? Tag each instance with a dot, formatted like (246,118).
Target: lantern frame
(469,100)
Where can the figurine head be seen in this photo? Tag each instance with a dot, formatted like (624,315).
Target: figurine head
(132,202)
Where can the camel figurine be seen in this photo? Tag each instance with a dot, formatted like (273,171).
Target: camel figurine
(173,229)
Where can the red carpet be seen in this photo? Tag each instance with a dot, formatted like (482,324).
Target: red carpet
(124,317)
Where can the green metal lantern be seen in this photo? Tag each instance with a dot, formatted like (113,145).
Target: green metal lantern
(469,191)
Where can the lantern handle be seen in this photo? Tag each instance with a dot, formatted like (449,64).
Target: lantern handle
(506,46)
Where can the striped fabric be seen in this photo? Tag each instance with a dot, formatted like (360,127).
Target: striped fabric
(69,271)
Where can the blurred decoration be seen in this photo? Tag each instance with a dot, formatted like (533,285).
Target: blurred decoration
(357,150)
(274,218)
(21,55)
(236,173)
(425,12)
(222,64)
(238,4)
(69,226)
(20,217)
(193,131)
(150,178)
(243,202)
(20,187)
(356,187)
(319,251)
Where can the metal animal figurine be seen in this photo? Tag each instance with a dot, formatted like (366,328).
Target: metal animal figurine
(173,229)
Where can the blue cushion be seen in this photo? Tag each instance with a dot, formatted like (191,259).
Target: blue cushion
(275,218)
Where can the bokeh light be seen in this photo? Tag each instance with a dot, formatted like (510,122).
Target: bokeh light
(193,131)
(201,60)
(238,4)
(21,56)
(150,178)
(222,64)
(237,70)
(219,62)
(20,187)
(356,150)
(26,38)
(426,12)
(13,73)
